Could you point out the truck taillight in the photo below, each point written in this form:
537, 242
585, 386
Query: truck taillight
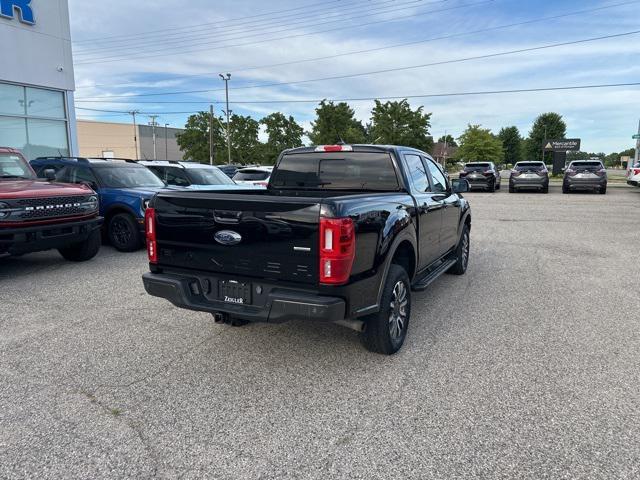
150, 228
337, 250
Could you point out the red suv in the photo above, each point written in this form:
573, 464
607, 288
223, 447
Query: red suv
37, 215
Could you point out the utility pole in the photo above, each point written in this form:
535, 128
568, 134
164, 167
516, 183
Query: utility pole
153, 124
133, 113
444, 153
637, 158
211, 148
166, 142
226, 79
545, 143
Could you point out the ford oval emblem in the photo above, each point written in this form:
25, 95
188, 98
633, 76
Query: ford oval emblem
228, 237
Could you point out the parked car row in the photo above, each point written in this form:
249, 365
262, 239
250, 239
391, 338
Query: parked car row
121, 188
583, 175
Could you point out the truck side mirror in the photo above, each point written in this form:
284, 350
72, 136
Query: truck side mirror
50, 174
460, 185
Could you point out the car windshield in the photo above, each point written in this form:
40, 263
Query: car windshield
337, 171
208, 176
529, 166
13, 166
251, 175
474, 167
128, 177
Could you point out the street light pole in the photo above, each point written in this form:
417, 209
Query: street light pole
226, 79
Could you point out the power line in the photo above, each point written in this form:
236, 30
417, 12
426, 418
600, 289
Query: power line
227, 30
299, 35
189, 27
386, 70
219, 39
396, 97
385, 47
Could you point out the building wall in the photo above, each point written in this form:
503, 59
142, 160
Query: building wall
95, 139
168, 150
36, 78
98, 139
38, 54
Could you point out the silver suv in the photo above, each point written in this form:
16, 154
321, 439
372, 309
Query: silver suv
585, 175
529, 175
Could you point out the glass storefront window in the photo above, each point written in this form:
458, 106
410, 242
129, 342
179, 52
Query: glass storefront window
13, 133
33, 120
45, 103
11, 100
47, 138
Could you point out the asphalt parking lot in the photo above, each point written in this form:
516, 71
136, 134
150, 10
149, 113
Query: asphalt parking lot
527, 367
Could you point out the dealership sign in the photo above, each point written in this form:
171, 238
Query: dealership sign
9, 8
564, 145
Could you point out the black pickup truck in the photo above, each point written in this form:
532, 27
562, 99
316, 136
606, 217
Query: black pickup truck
341, 234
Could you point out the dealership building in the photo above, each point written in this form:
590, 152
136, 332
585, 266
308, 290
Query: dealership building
36, 78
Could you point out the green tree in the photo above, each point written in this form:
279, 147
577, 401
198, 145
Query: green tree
335, 122
511, 144
282, 133
194, 141
451, 142
479, 145
395, 123
555, 128
245, 146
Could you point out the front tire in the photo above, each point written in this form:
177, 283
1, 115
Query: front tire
512, 189
492, 186
462, 253
83, 251
123, 233
603, 190
386, 330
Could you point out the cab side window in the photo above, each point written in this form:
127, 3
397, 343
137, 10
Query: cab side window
439, 180
417, 173
176, 176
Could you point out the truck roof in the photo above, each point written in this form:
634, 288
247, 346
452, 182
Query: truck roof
355, 147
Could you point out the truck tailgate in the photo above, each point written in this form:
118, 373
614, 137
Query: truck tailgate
239, 233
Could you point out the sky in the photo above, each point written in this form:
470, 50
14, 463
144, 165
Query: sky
141, 55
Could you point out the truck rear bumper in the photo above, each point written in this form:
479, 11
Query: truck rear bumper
18, 241
279, 305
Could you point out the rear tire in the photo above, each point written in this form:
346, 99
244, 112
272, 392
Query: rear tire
83, 251
462, 253
603, 190
123, 233
545, 189
386, 330
492, 186
565, 189
512, 189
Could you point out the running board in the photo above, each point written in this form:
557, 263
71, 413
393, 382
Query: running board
423, 282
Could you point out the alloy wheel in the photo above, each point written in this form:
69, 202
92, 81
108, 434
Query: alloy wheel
398, 315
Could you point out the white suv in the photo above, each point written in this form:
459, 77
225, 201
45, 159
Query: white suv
633, 177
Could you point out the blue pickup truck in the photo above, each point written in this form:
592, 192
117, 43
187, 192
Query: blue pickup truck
124, 188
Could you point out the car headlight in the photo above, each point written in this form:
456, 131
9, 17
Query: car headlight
93, 201
4, 210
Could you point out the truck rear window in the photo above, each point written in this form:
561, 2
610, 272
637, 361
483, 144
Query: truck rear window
477, 167
336, 171
251, 175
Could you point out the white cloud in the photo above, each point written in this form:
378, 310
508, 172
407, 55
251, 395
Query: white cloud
603, 118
